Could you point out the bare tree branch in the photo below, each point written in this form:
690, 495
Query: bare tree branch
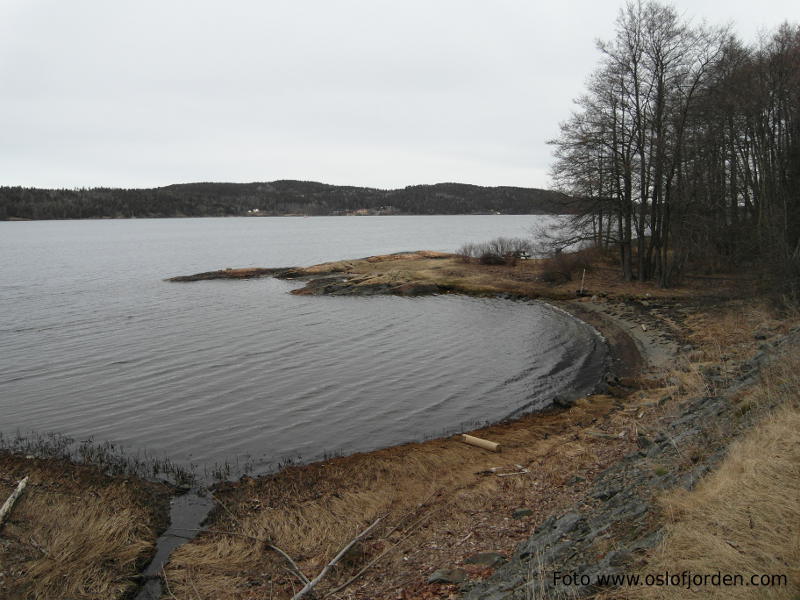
310, 585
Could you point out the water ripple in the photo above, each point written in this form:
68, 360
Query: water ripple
224, 369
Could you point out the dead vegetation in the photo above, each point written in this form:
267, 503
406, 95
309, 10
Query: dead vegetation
551, 278
743, 519
74, 532
440, 500
499, 251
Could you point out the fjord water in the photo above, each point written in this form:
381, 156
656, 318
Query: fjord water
94, 343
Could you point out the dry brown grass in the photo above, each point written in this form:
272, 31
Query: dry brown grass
440, 498
726, 332
527, 277
745, 517
74, 533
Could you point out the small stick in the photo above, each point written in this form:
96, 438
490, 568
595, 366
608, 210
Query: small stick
310, 585
9, 504
464, 539
523, 472
409, 514
194, 589
166, 582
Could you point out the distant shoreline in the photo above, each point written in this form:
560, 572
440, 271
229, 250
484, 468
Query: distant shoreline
277, 198
295, 216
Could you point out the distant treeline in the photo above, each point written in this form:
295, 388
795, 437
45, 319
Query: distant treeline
275, 198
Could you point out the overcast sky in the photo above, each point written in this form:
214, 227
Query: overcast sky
361, 92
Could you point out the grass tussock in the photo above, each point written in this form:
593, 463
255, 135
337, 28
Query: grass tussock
74, 533
744, 518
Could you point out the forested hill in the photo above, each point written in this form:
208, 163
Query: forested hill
275, 198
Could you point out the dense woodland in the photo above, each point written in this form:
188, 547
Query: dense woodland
275, 198
687, 147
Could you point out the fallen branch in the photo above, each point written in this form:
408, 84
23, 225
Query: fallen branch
295, 569
605, 436
310, 585
523, 472
370, 564
9, 504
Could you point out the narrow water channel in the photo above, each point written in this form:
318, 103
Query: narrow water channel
187, 513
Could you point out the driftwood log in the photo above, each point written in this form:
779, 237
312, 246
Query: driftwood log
480, 443
9, 504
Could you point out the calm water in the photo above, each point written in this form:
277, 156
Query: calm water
94, 343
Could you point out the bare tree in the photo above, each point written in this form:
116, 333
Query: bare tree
685, 146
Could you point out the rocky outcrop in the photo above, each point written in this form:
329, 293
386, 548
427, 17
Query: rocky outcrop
231, 274
607, 532
448, 576
348, 286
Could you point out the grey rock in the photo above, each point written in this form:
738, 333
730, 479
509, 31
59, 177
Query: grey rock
606, 493
619, 558
546, 542
690, 479
664, 482
658, 449
448, 576
521, 513
647, 542
563, 402
569, 522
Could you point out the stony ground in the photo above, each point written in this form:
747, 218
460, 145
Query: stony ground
617, 520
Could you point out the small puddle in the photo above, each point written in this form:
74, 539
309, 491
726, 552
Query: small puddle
186, 514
